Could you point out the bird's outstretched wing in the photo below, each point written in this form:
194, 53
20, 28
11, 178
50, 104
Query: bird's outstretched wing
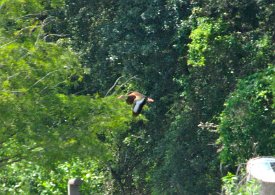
133, 96
138, 96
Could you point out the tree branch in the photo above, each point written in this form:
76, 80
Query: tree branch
49, 73
8, 43
113, 85
133, 77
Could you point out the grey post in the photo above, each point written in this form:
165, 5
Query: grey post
263, 170
74, 186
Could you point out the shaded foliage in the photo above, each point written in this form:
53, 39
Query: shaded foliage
247, 127
208, 65
187, 55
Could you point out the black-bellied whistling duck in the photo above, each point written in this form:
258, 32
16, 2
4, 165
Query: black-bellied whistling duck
138, 100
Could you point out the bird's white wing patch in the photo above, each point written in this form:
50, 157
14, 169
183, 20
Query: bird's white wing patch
137, 105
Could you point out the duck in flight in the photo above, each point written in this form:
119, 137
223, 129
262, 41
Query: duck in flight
138, 100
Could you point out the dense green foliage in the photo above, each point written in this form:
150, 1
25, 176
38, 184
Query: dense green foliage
44, 124
209, 65
247, 120
28, 177
233, 185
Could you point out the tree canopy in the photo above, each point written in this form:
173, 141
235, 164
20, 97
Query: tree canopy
209, 65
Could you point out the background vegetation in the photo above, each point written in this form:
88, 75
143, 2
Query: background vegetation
208, 64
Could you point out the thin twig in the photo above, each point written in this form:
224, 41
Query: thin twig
33, 15
54, 35
7, 43
52, 86
49, 73
133, 77
113, 85
13, 91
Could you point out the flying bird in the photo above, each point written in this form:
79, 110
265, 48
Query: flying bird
138, 100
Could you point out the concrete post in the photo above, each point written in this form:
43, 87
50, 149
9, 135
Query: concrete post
267, 188
263, 170
74, 186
